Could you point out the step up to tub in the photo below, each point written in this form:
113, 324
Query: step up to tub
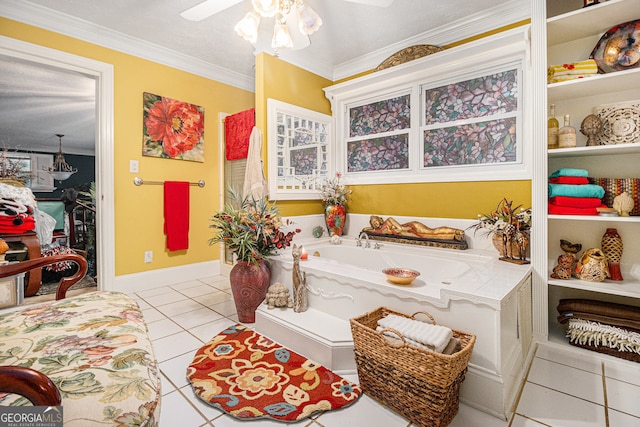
324, 338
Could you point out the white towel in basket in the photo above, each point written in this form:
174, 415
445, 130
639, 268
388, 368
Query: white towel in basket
434, 336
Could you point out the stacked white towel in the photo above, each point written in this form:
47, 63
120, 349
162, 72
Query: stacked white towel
435, 337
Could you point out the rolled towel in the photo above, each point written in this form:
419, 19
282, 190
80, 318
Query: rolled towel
558, 79
435, 336
453, 346
585, 190
570, 172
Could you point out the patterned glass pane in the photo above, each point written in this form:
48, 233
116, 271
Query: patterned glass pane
387, 153
382, 116
479, 97
304, 161
492, 141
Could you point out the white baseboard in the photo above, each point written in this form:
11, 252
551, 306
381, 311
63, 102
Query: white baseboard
166, 276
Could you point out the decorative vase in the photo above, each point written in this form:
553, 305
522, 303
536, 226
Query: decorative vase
513, 247
592, 266
612, 249
335, 216
249, 285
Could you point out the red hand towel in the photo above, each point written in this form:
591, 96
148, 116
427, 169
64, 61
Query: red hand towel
567, 210
576, 202
237, 131
573, 180
176, 215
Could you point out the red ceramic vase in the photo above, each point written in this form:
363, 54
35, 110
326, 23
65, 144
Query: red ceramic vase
335, 216
249, 285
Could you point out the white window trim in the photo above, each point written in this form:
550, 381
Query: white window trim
506, 50
273, 108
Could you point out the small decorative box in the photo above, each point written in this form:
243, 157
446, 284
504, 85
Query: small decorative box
620, 123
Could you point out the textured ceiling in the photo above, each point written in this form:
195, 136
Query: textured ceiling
37, 103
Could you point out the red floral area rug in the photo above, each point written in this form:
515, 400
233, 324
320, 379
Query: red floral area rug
249, 376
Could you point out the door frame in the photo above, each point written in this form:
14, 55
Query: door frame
104, 157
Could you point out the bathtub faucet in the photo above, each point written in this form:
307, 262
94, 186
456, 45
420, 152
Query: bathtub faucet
359, 240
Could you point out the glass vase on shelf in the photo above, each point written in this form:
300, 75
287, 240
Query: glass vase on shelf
552, 128
567, 134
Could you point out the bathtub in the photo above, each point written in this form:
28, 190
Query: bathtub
445, 274
468, 290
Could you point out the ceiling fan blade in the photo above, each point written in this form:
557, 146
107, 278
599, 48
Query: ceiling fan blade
207, 8
377, 3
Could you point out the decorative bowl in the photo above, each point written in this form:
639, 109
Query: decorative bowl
400, 276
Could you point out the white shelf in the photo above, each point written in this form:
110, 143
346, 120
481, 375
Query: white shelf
596, 218
591, 20
625, 288
599, 84
598, 150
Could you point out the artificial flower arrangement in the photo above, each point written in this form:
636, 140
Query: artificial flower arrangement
334, 192
504, 215
251, 231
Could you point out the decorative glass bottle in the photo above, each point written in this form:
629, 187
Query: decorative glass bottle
567, 134
612, 249
552, 128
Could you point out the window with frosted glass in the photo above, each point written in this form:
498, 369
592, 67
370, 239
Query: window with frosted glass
472, 122
379, 135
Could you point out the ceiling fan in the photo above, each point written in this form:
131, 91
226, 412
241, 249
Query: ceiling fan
211, 7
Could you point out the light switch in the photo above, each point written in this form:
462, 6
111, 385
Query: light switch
133, 166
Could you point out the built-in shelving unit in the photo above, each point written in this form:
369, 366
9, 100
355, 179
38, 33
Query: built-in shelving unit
571, 36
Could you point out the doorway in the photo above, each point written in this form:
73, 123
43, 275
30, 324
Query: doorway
104, 162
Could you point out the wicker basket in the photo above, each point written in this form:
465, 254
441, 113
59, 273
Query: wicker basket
421, 385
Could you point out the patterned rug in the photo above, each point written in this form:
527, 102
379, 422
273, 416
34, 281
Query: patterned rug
249, 376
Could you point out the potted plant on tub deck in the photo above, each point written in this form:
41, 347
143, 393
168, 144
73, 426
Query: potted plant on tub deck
252, 231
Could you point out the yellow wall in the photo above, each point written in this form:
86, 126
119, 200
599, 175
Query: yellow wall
280, 80
138, 210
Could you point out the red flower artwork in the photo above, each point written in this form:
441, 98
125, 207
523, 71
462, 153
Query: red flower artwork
173, 129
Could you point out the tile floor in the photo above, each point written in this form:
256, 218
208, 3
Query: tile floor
580, 390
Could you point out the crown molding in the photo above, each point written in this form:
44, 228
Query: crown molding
490, 19
48, 19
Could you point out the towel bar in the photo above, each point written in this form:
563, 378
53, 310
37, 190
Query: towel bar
140, 181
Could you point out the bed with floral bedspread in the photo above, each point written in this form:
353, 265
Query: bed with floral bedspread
96, 349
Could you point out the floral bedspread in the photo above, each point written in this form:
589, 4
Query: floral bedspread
95, 348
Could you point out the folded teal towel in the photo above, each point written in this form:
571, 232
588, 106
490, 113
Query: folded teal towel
585, 190
570, 172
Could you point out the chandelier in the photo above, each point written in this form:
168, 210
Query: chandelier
286, 12
61, 169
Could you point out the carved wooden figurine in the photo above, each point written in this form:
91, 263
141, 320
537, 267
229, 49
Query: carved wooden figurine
300, 302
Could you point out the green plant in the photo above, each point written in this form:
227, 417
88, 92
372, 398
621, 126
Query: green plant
334, 192
503, 216
252, 231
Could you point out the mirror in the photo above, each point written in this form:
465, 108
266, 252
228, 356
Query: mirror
299, 141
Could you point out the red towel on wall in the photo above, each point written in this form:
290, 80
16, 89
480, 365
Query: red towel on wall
576, 202
237, 131
572, 180
176, 215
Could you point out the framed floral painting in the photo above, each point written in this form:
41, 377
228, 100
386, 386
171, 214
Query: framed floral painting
172, 129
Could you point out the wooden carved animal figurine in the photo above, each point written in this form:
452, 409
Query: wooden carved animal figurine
300, 302
278, 296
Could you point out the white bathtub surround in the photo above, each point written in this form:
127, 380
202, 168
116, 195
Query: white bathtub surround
468, 290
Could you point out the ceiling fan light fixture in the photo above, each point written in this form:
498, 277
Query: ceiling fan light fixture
308, 20
61, 170
281, 36
266, 8
247, 27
